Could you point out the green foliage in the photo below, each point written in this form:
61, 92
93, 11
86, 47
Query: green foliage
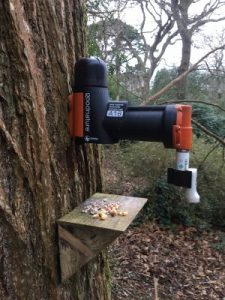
113, 91
166, 203
197, 84
220, 245
92, 44
211, 182
211, 118
162, 78
115, 42
108, 38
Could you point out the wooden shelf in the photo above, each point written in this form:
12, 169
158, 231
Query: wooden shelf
81, 237
119, 223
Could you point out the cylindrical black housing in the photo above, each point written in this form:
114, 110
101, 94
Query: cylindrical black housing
91, 80
106, 121
144, 123
90, 72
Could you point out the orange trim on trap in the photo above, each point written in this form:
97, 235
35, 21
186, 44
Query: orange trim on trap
76, 114
182, 131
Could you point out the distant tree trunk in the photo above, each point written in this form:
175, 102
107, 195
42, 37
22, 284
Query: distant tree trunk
43, 174
184, 65
187, 25
180, 14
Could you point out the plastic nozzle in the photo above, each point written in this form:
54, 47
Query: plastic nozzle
182, 164
191, 194
182, 160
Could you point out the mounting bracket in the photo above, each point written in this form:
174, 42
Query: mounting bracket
82, 237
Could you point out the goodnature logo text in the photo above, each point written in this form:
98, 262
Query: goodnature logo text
87, 110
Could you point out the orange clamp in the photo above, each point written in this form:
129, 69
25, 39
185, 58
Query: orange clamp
76, 114
182, 131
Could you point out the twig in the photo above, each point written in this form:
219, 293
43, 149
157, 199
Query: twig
156, 288
207, 155
126, 90
203, 128
208, 132
194, 101
182, 76
155, 280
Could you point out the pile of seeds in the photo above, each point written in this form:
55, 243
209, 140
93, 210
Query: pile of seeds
100, 209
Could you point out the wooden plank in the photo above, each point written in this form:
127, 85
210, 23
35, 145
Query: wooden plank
70, 260
94, 238
119, 223
72, 257
74, 242
81, 237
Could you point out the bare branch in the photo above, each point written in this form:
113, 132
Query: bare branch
208, 132
194, 101
203, 22
166, 44
182, 76
207, 155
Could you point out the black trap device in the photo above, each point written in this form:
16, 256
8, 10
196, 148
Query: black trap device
94, 118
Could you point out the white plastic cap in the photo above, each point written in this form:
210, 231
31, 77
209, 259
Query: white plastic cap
191, 194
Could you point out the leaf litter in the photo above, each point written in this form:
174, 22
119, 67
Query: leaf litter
152, 263
149, 262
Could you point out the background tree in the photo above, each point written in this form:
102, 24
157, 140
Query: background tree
43, 174
141, 54
188, 23
215, 68
161, 22
108, 40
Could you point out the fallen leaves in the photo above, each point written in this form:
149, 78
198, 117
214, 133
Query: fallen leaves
182, 265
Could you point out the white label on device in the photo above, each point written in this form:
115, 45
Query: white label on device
115, 113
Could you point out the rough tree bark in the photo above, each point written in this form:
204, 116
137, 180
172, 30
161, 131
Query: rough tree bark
43, 174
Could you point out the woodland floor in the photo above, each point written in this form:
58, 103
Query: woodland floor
149, 262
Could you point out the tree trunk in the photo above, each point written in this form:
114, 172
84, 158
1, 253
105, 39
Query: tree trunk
180, 15
184, 65
43, 173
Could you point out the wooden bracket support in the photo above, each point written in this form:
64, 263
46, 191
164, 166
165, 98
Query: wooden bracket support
81, 237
